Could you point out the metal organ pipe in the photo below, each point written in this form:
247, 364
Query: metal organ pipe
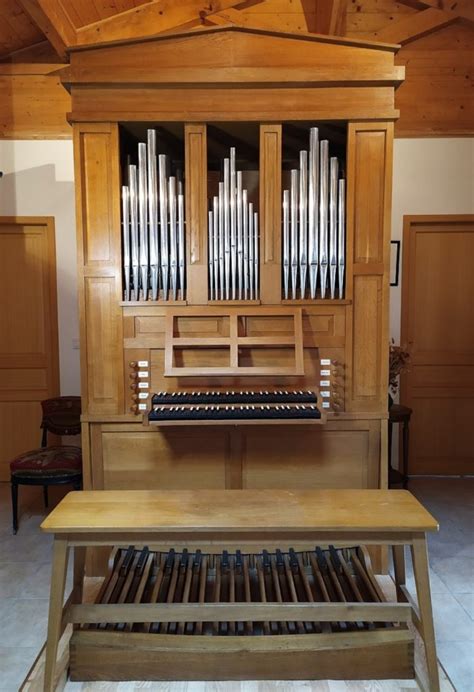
323, 215
233, 235
313, 225
153, 228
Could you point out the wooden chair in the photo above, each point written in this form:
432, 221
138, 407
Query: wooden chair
56, 465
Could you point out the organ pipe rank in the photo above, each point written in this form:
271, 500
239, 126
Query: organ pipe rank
314, 225
233, 247
153, 228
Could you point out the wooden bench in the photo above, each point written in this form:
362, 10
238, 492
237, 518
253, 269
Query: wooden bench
249, 520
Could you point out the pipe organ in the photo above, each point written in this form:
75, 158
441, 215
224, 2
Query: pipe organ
233, 205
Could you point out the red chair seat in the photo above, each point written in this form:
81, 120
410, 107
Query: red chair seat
48, 461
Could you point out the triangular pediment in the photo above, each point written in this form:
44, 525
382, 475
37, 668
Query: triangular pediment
234, 54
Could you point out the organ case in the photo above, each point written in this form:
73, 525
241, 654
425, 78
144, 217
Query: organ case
234, 80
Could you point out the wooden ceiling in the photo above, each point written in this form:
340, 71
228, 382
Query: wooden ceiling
64, 23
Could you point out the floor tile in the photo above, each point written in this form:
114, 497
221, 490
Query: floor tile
24, 622
24, 579
452, 623
27, 546
467, 602
457, 573
14, 666
457, 659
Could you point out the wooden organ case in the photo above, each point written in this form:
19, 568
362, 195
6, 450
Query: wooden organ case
264, 91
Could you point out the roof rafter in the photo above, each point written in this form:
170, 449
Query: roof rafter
53, 20
330, 15
461, 9
153, 18
415, 26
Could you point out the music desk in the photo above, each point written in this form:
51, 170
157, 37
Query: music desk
247, 520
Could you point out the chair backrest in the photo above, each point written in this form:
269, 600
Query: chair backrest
61, 416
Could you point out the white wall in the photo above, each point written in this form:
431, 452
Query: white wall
430, 176
38, 180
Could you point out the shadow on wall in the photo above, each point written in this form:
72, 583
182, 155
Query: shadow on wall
36, 191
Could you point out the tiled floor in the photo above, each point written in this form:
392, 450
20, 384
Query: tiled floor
25, 571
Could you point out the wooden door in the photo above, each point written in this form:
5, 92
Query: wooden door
438, 326
29, 367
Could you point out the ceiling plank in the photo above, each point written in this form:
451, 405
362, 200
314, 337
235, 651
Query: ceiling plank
330, 15
150, 19
51, 17
415, 26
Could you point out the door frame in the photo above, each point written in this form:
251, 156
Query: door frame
47, 222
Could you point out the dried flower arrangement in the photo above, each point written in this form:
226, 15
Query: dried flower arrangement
398, 363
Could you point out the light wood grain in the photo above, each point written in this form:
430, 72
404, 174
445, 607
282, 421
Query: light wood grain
29, 350
439, 386
140, 510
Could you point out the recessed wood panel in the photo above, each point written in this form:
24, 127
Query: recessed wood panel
23, 379
369, 193
442, 376
367, 320
102, 344
442, 433
96, 198
155, 460
447, 326
22, 259
333, 459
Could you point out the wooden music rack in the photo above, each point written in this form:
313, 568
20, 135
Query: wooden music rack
234, 341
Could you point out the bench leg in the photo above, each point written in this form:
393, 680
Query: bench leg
56, 599
79, 567
422, 580
398, 552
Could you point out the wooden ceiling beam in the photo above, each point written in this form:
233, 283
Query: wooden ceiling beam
53, 20
462, 9
330, 16
153, 18
415, 26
